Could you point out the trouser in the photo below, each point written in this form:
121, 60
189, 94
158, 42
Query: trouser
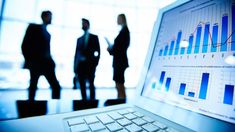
51, 78
86, 73
82, 82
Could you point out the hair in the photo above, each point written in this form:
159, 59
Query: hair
45, 13
86, 21
123, 18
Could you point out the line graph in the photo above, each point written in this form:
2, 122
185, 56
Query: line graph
216, 37
214, 44
192, 65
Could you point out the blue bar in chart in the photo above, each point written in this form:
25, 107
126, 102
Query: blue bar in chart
182, 50
182, 88
214, 38
204, 86
224, 33
191, 94
233, 28
160, 52
228, 94
206, 37
190, 44
171, 47
166, 50
198, 39
167, 85
161, 79
178, 43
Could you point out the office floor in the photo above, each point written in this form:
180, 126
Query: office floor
8, 98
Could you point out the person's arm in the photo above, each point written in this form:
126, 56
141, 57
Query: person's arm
97, 50
76, 58
98, 47
110, 50
26, 43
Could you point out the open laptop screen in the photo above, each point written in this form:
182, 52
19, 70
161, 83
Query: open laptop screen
193, 61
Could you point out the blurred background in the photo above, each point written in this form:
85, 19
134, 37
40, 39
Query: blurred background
66, 28
15, 15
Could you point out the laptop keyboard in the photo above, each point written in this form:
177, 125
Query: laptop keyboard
126, 120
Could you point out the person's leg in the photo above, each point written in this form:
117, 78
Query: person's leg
121, 90
34, 76
75, 82
91, 79
82, 82
119, 81
82, 79
52, 80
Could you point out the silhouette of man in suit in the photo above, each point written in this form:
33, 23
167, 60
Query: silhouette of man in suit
37, 55
86, 59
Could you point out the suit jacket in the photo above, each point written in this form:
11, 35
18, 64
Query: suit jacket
119, 49
89, 53
36, 48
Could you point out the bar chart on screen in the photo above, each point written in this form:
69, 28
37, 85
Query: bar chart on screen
203, 36
205, 33
227, 87
195, 86
193, 65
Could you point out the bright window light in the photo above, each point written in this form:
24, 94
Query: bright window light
184, 44
66, 28
230, 59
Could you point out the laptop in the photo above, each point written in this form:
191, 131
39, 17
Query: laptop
187, 83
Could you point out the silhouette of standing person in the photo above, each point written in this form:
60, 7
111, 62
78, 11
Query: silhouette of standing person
37, 55
119, 53
87, 57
